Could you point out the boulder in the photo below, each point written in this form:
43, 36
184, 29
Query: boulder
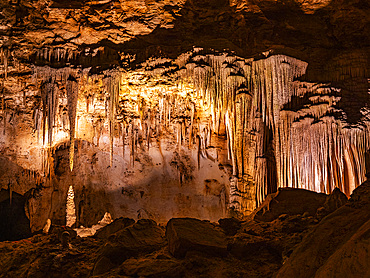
14, 224
59, 230
350, 260
339, 245
360, 197
153, 267
335, 200
188, 234
117, 225
290, 201
247, 247
230, 225
140, 238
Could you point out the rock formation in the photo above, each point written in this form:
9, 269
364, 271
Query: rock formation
162, 109
297, 245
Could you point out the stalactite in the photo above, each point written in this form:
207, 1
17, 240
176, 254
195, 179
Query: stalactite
132, 143
5, 57
257, 104
250, 99
72, 95
123, 127
113, 89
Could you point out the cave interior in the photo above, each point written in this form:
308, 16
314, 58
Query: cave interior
184, 138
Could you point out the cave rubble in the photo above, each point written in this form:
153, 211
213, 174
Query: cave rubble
258, 249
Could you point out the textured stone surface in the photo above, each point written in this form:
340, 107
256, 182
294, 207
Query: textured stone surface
335, 246
117, 225
335, 200
247, 247
230, 225
142, 237
338, 245
188, 234
351, 259
291, 202
299, 120
14, 224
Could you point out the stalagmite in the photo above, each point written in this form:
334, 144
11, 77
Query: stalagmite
70, 207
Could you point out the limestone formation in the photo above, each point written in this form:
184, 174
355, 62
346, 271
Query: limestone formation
253, 113
187, 234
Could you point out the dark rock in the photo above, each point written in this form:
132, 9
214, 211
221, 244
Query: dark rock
188, 234
360, 197
335, 200
153, 267
59, 230
65, 240
117, 225
294, 224
339, 245
247, 247
282, 217
352, 259
14, 224
140, 238
321, 213
290, 201
230, 225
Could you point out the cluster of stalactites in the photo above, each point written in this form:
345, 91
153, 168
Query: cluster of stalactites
249, 98
56, 54
317, 150
246, 97
59, 93
323, 156
148, 114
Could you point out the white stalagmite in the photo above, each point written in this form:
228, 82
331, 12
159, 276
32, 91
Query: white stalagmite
70, 207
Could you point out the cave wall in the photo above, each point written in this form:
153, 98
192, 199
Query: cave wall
180, 108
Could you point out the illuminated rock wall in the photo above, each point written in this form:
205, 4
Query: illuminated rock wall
272, 118
206, 132
88, 99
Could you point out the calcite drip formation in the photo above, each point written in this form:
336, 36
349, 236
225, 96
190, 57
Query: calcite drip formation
278, 131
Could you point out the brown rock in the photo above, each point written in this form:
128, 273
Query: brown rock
230, 225
188, 234
117, 225
352, 259
153, 267
142, 237
338, 246
249, 246
290, 201
59, 230
335, 200
360, 197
